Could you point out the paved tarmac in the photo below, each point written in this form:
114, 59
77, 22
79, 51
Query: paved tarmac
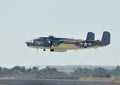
51, 82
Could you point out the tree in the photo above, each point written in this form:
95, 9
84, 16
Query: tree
83, 72
116, 71
18, 69
101, 72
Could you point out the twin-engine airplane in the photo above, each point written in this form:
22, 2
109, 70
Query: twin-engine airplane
63, 44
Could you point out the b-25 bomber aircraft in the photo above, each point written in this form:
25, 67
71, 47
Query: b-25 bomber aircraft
63, 44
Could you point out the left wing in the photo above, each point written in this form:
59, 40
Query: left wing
71, 41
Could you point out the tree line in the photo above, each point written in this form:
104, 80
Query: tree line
48, 72
98, 72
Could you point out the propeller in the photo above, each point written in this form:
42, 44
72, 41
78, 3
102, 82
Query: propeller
50, 41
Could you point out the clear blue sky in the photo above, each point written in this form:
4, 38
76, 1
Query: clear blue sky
23, 20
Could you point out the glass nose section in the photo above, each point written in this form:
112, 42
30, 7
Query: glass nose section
28, 43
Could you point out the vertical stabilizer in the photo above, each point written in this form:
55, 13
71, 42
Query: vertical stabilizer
105, 38
90, 36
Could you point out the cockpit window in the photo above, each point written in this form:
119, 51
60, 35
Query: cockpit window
51, 36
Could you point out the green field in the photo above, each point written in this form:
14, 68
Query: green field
111, 80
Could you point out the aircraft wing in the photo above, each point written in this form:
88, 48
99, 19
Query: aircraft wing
71, 41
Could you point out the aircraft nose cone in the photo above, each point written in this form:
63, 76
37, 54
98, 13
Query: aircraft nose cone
27, 43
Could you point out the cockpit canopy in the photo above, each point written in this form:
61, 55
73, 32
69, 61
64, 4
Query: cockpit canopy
51, 36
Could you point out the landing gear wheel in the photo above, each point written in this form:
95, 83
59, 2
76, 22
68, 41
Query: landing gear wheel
52, 49
44, 49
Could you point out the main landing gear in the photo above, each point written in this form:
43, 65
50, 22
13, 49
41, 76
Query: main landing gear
52, 49
44, 49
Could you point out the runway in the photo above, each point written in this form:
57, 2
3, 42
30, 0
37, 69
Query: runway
51, 82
